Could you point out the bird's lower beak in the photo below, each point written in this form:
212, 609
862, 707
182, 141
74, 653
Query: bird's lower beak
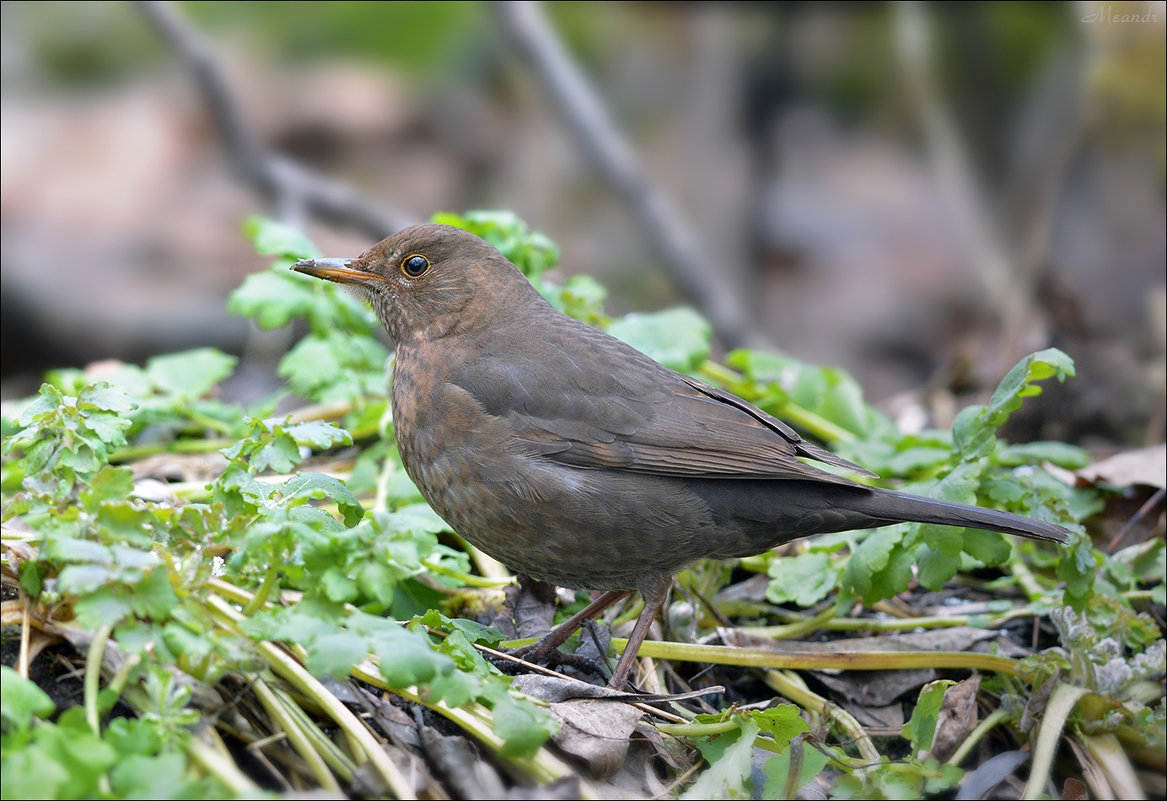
337, 270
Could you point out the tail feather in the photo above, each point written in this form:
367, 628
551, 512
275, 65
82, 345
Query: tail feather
900, 506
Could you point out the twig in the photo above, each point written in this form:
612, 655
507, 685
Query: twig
589, 124
292, 189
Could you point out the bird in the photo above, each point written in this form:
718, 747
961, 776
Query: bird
576, 459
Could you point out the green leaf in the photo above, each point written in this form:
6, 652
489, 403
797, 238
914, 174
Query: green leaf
192, 373
921, 729
989, 547
21, 700
335, 653
404, 657
677, 338
1019, 383
582, 297
153, 598
878, 568
273, 299
803, 758
530, 251
523, 726
106, 604
48, 400
274, 238
939, 559
110, 484
731, 760
782, 722
103, 396
1063, 454
319, 434
804, 579
84, 579
318, 485
973, 435
159, 777
974, 430
280, 453
32, 772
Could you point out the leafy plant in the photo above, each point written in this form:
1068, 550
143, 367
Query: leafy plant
310, 556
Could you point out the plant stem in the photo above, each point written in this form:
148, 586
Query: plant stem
790, 685
974, 737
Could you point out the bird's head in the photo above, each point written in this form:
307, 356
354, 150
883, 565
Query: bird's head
429, 280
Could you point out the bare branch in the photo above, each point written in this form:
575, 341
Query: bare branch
587, 122
290, 188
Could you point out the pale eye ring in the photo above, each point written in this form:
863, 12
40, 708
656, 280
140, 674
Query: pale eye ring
415, 265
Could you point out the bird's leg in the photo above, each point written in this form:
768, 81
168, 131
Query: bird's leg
654, 594
558, 635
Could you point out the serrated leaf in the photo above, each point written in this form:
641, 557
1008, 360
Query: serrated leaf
804, 579
153, 598
47, 401
530, 251
988, 547
473, 631
280, 454
677, 338
192, 373
107, 604
782, 722
334, 654
109, 433
404, 657
319, 434
103, 396
318, 485
582, 297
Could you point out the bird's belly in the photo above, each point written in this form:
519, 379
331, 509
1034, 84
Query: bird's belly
575, 527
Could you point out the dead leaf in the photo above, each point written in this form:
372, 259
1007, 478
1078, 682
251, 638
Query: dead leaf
1145, 466
958, 717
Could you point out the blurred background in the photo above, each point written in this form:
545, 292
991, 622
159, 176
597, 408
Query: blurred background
920, 194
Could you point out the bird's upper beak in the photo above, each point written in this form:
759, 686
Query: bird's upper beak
337, 270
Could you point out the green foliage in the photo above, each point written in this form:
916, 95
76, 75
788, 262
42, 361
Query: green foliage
677, 338
362, 551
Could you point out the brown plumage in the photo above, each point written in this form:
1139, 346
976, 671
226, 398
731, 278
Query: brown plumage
574, 458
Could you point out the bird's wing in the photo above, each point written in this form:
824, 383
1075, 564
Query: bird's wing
642, 417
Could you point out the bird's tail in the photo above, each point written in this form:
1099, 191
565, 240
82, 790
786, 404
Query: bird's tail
900, 506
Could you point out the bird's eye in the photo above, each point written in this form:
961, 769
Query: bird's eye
415, 265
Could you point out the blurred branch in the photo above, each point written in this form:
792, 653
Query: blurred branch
588, 123
291, 189
1011, 255
973, 222
1050, 127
